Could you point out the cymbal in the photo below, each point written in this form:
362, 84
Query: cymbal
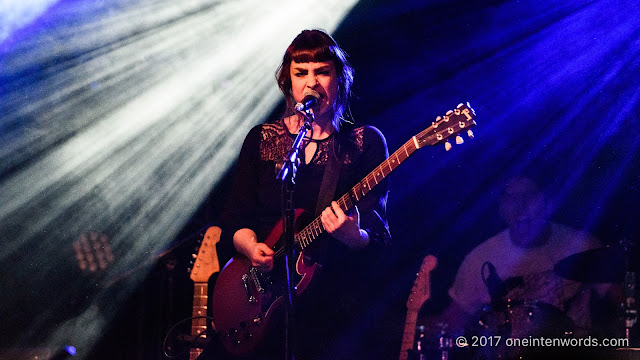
601, 265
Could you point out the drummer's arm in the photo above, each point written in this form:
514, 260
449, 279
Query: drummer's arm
611, 293
605, 308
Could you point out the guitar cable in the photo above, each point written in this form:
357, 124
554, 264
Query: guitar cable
192, 342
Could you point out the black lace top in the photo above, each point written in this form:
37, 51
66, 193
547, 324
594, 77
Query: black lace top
348, 280
255, 202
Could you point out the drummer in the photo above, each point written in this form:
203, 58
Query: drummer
517, 263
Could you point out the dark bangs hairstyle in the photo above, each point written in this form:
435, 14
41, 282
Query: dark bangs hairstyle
316, 46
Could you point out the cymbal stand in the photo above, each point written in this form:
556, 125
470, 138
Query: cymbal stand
445, 343
629, 304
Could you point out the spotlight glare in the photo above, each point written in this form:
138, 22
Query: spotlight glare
17, 14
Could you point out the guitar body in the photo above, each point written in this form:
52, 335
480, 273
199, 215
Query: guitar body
246, 300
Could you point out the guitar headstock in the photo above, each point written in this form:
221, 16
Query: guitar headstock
454, 122
421, 290
206, 263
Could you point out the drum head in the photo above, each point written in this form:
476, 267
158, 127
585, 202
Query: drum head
523, 319
518, 320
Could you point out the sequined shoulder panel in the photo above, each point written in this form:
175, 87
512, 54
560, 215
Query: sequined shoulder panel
354, 145
276, 141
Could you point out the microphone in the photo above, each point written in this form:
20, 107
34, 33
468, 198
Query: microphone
495, 285
311, 99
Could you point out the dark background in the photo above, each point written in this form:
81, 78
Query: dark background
554, 94
554, 86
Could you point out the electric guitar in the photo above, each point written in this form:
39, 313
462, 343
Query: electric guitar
205, 265
420, 293
244, 298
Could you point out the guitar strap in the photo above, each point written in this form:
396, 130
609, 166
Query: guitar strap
331, 175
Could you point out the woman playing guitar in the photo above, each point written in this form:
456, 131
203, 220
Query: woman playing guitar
334, 156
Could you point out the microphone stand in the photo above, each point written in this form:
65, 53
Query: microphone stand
287, 175
497, 291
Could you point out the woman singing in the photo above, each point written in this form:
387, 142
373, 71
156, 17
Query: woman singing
331, 313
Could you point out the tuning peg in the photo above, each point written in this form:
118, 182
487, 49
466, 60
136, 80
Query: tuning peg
459, 140
470, 134
447, 146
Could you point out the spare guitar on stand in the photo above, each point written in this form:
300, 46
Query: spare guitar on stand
420, 293
205, 265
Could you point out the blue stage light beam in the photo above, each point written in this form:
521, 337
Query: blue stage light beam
16, 14
119, 118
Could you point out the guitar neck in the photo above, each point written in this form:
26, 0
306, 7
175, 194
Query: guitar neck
409, 333
454, 122
306, 236
199, 322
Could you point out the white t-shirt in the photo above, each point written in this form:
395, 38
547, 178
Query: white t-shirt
534, 265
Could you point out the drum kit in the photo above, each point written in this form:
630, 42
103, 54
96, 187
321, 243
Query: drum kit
614, 265
505, 318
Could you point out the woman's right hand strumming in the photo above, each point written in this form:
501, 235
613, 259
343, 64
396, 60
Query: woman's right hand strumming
259, 253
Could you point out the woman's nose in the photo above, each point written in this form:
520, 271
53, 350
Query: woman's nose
312, 81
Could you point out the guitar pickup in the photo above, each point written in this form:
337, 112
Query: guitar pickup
256, 281
245, 281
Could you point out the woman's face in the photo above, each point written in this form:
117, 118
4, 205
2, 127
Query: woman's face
317, 76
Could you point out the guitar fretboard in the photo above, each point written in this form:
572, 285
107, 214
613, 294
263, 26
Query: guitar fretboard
306, 236
199, 322
409, 333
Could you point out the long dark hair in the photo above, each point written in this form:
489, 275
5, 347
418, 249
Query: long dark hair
316, 46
